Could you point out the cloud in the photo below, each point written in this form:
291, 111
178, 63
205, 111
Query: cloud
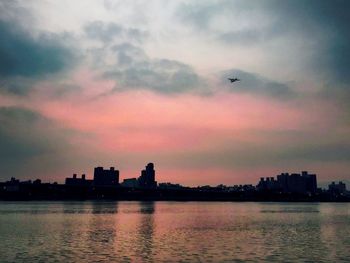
200, 13
104, 32
321, 152
15, 143
27, 137
16, 85
107, 32
318, 28
279, 149
241, 37
135, 70
256, 85
326, 22
26, 56
14, 11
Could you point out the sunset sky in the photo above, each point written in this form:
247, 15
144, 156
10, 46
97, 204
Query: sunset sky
123, 83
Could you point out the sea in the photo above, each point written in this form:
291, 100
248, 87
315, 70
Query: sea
130, 231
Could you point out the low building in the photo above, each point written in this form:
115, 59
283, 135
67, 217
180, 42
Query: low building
339, 188
130, 182
170, 186
12, 185
303, 183
268, 184
78, 181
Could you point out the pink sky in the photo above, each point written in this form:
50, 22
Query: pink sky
190, 138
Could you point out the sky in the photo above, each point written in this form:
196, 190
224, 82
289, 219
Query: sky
122, 83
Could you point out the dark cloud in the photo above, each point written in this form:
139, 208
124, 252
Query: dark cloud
26, 56
327, 23
135, 70
256, 85
25, 59
17, 139
106, 32
284, 148
321, 152
25, 138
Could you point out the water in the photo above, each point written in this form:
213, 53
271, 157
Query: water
173, 232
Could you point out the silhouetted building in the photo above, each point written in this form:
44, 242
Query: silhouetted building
147, 178
235, 188
311, 181
339, 188
283, 182
170, 186
268, 184
290, 183
287, 187
106, 177
78, 181
37, 182
12, 185
130, 182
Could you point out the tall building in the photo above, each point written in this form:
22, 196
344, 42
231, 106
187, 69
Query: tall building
105, 177
147, 178
282, 180
311, 181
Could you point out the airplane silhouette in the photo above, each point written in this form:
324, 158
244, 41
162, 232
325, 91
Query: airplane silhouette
233, 80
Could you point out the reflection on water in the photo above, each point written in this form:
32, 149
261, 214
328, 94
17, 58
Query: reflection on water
173, 231
145, 231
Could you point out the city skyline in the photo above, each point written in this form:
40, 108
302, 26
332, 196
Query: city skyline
303, 181
90, 176
106, 185
102, 83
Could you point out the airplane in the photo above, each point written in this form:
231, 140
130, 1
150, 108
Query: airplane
233, 80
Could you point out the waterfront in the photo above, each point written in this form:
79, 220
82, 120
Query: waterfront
174, 231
